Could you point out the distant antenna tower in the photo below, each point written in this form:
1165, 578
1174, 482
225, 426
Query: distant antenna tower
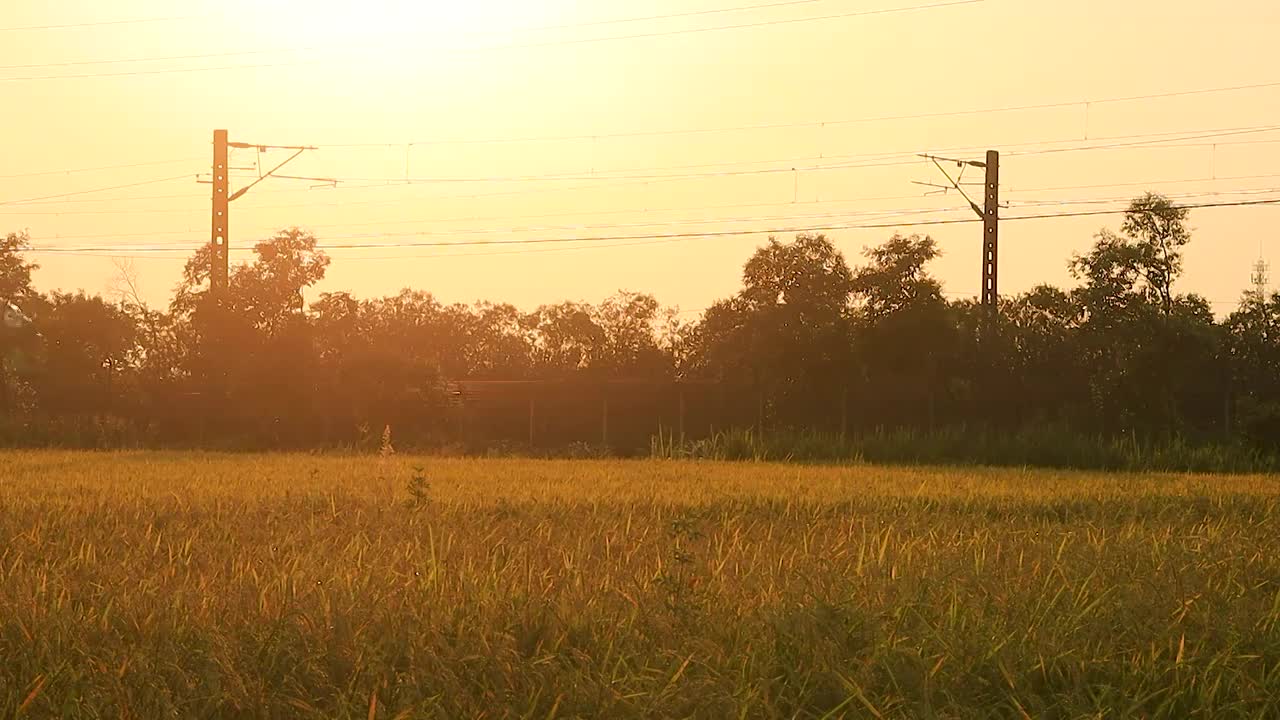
1260, 277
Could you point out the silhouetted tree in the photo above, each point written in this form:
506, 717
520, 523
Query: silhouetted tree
15, 270
787, 333
806, 342
16, 341
567, 338
249, 365
1253, 350
89, 348
1142, 343
905, 335
630, 345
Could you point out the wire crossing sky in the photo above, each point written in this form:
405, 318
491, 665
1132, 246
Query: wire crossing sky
448, 125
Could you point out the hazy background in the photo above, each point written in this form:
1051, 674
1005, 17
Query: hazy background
385, 74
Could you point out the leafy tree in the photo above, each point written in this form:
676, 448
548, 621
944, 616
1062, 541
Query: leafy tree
89, 347
1160, 230
787, 332
630, 346
1040, 374
250, 363
1253, 351
16, 343
379, 362
896, 279
903, 328
499, 344
568, 339
1140, 265
15, 270
808, 276
806, 340
1142, 343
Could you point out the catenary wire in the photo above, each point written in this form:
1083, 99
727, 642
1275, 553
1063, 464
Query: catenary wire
510, 46
771, 231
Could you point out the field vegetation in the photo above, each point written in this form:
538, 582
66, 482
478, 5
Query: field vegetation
177, 585
1047, 447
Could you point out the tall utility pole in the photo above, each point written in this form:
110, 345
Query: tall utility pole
989, 213
991, 235
220, 240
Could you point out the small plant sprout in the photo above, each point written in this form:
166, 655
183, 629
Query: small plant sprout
386, 449
419, 490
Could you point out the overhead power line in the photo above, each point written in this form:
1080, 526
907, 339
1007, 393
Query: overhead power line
1174, 140
637, 183
604, 179
693, 235
739, 26
536, 28
540, 28
850, 214
184, 235
187, 231
605, 176
1156, 143
1140, 183
1128, 198
813, 124
887, 161
509, 46
97, 190
673, 16
99, 168
169, 71
1159, 140
159, 58
98, 23
834, 201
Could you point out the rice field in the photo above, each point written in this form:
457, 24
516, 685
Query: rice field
180, 585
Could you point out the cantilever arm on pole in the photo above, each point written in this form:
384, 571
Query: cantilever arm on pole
266, 175
955, 184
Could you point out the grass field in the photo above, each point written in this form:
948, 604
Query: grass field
168, 585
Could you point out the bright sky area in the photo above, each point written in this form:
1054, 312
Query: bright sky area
599, 94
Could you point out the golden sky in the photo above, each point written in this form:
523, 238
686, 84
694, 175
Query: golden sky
389, 89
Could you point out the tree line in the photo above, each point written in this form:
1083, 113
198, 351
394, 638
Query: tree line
820, 343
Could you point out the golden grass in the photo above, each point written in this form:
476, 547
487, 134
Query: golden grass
152, 585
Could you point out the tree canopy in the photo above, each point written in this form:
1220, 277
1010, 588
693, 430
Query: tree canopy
809, 341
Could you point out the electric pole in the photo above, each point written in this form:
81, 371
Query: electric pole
220, 240
989, 213
991, 235
220, 251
